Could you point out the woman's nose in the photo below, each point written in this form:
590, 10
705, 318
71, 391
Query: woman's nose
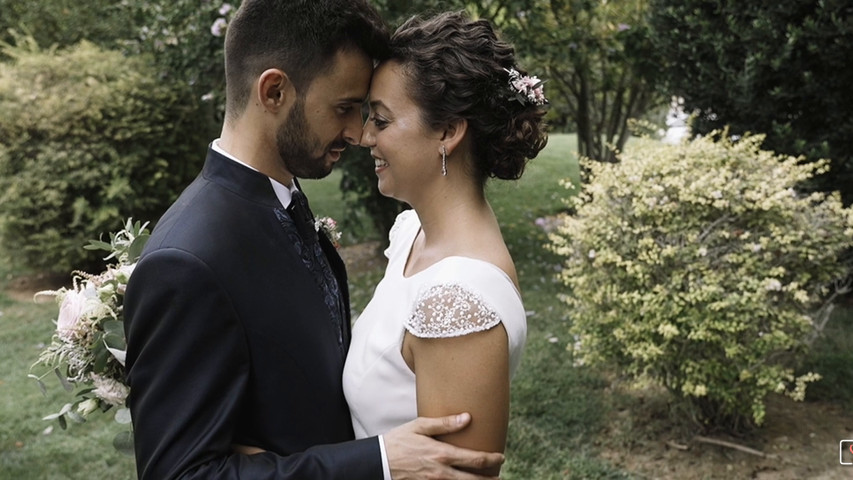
367, 139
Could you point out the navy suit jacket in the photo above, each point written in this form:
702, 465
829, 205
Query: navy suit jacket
230, 342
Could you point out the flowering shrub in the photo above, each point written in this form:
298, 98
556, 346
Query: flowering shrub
87, 351
701, 267
186, 38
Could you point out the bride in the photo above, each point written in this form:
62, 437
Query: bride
446, 327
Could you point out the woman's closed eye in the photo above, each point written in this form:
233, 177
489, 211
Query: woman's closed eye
380, 122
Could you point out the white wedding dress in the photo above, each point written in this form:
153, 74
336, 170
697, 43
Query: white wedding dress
455, 296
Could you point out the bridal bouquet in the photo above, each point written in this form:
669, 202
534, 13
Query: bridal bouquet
87, 350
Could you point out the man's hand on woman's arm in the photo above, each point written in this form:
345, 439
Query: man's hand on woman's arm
414, 454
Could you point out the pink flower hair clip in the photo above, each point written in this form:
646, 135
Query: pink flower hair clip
528, 90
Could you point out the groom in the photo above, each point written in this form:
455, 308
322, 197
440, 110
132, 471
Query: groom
237, 315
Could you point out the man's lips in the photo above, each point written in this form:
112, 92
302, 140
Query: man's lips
336, 151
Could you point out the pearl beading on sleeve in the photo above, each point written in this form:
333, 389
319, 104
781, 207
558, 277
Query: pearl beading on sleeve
450, 310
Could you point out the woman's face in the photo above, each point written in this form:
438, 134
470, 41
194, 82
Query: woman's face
407, 154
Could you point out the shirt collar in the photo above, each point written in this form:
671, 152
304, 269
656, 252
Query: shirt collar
282, 192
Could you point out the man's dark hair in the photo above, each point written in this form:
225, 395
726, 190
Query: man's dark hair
300, 37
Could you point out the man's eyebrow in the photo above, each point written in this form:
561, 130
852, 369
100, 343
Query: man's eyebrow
352, 100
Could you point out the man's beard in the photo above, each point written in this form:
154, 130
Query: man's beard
297, 146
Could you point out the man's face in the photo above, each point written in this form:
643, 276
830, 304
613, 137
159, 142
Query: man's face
326, 117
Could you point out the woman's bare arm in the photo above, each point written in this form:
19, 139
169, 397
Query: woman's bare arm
469, 373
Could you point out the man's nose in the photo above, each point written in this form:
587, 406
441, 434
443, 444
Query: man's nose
353, 130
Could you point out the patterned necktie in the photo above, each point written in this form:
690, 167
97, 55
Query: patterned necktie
302, 217
317, 262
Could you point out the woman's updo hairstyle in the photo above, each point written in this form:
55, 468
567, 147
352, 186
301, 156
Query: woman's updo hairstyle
457, 68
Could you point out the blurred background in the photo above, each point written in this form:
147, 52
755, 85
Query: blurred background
107, 107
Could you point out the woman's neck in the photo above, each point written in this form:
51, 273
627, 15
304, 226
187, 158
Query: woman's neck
443, 214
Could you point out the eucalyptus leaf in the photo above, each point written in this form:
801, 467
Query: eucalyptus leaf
98, 245
114, 334
135, 249
64, 381
113, 327
41, 384
66, 408
75, 416
123, 442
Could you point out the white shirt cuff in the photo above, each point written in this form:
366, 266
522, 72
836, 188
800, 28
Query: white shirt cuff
386, 469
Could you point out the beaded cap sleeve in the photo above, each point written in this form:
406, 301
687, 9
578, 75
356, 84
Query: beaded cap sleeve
450, 310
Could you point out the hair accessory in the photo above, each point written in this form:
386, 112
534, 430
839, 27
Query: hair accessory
443, 161
528, 90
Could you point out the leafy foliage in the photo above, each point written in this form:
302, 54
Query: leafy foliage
600, 64
186, 39
66, 22
701, 267
87, 138
778, 68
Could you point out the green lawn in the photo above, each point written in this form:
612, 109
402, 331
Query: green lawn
557, 412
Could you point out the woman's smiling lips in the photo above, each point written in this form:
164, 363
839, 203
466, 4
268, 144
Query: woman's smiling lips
379, 164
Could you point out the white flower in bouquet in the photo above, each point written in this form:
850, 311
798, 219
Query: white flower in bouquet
71, 310
111, 391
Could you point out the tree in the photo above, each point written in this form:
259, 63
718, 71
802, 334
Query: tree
599, 63
778, 68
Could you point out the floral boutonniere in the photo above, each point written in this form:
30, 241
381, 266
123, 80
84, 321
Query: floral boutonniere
329, 226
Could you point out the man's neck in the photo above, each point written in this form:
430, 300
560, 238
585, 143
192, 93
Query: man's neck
244, 143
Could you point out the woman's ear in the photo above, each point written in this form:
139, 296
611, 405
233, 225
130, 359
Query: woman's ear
274, 90
453, 134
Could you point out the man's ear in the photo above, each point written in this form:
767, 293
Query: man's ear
274, 90
453, 134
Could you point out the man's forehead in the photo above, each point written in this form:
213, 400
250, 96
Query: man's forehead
349, 76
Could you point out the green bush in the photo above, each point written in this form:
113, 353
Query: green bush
66, 22
88, 138
699, 266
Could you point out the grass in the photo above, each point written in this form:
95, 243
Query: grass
558, 412
31, 448
832, 356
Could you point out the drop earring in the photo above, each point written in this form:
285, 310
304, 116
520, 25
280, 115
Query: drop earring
443, 161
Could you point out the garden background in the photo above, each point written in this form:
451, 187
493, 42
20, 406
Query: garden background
106, 108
